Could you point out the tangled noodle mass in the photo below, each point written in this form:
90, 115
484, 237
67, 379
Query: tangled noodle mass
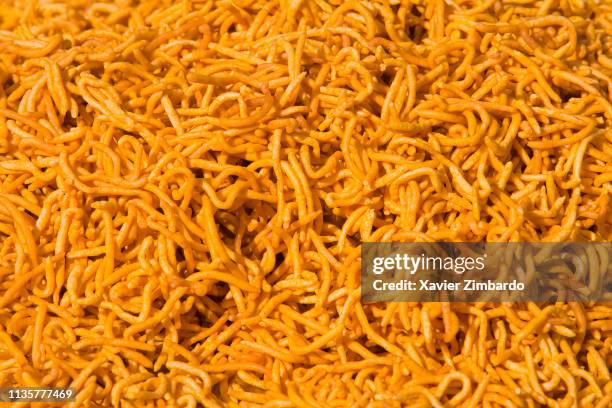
184, 187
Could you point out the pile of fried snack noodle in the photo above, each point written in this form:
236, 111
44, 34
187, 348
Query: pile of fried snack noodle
184, 187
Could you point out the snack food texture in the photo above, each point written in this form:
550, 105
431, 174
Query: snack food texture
185, 185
